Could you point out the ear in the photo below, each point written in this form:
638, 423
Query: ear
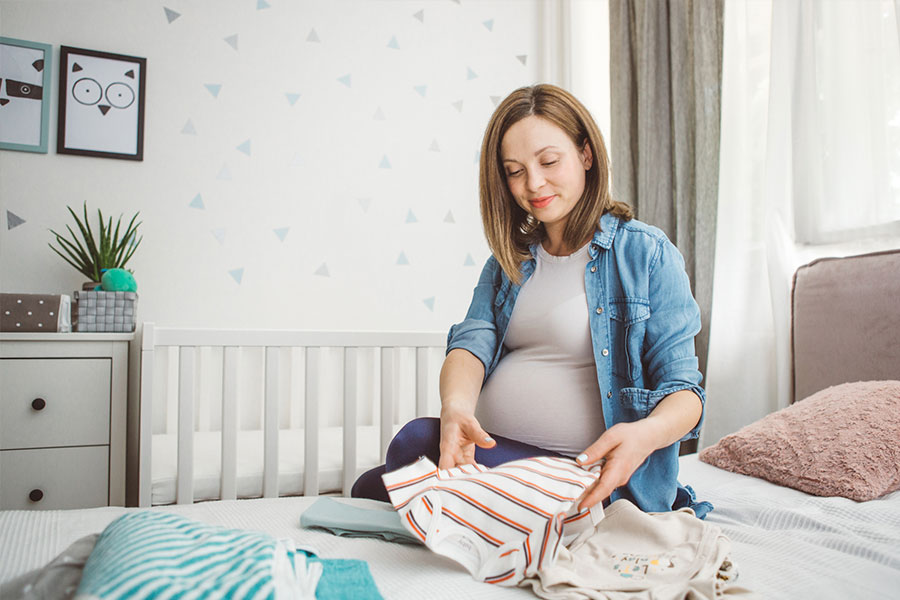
587, 156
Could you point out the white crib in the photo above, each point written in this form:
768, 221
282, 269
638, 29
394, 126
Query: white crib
212, 400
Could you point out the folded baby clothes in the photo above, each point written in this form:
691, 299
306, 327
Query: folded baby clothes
637, 555
345, 579
345, 520
147, 554
501, 524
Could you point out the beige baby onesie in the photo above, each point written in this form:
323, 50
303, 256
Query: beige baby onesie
632, 554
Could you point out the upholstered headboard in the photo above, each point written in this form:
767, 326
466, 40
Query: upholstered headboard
845, 323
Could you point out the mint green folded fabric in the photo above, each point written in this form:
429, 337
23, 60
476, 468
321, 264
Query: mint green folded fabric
352, 521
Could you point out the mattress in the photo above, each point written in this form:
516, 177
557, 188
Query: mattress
786, 544
208, 462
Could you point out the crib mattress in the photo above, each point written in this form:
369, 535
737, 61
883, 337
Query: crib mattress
208, 462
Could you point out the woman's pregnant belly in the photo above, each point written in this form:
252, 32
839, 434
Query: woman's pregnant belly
543, 402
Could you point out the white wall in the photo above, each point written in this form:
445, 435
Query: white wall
317, 167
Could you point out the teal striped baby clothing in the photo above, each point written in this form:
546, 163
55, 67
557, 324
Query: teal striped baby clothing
160, 555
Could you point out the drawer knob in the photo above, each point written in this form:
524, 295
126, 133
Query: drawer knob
38, 404
36, 495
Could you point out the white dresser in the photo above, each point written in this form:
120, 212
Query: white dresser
63, 408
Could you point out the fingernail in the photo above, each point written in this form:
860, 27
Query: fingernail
488, 439
581, 458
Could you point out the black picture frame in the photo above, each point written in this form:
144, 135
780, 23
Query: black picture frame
101, 104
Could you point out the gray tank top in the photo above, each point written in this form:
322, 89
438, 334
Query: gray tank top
544, 391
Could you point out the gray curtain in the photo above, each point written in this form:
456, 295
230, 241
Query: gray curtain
666, 81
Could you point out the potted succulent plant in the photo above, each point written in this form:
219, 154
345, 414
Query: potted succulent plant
92, 255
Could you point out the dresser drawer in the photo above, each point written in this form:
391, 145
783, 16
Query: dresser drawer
61, 477
76, 402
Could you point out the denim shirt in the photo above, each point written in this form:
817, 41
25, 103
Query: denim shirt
643, 320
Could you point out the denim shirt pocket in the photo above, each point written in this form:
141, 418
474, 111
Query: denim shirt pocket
637, 403
628, 325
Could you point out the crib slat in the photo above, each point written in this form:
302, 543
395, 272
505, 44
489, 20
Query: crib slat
351, 404
146, 416
270, 426
203, 404
171, 396
311, 423
422, 382
295, 397
388, 391
231, 379
184, 492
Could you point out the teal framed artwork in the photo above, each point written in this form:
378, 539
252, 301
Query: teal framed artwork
24, 95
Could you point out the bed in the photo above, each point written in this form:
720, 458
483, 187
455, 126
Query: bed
786, 543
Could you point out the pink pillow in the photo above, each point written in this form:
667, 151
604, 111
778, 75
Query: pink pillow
841, 441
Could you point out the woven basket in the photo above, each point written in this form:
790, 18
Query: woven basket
106, 311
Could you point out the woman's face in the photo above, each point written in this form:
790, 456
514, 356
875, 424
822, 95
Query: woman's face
545, 170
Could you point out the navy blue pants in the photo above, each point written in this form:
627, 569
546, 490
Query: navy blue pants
422, 437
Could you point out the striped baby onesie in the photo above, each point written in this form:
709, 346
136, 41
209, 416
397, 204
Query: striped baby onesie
148, 554
501, 524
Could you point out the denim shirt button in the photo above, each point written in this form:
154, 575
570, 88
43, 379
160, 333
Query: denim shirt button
604, 352
609, 394
593, 269
599, 310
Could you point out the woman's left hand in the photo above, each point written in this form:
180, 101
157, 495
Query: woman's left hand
624, 446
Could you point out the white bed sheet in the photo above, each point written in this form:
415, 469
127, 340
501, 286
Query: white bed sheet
787, 544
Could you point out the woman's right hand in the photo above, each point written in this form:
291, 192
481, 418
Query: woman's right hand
460, 433
461, 379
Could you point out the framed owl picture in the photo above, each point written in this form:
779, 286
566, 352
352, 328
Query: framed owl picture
101, 104
24, 95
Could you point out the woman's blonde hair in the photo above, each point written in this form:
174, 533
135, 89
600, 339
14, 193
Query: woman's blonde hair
510, 230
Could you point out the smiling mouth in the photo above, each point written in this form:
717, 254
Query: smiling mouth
541, 202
